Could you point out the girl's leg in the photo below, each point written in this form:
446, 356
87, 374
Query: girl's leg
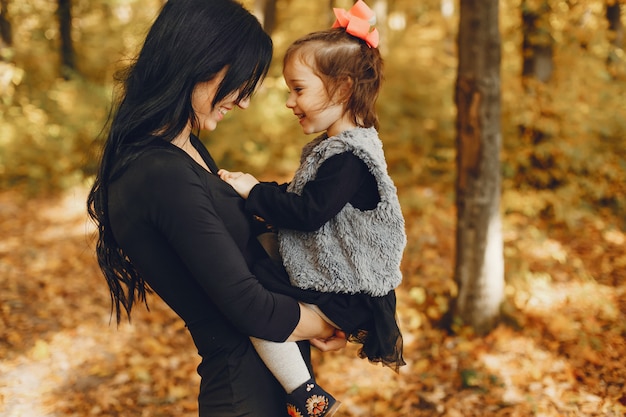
285, 361
321, 314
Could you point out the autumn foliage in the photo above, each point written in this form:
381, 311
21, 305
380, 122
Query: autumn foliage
560, 349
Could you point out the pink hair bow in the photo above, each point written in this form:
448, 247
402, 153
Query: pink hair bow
358, 21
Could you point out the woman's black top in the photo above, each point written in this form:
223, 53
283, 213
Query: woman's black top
187, 233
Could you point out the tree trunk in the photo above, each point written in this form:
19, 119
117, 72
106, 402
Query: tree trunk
6, 33
616, 28
265, 11
537, 43
380, 7
616, 34
479, 268
68, 56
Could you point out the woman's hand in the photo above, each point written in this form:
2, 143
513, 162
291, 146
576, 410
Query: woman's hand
320, 333
241, 182
336, 342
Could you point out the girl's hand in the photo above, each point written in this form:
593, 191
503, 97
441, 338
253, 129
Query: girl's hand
226, 175
241, 182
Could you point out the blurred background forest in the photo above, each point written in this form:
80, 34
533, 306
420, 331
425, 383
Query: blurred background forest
561, 349
51, 112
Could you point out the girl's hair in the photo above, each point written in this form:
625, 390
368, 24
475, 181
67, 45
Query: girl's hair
190, 42
336, 56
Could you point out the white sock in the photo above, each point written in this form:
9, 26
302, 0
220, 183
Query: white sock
285, 362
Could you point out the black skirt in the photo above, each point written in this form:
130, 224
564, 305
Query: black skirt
367, 320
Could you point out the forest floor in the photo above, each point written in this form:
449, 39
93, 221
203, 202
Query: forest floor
560, 351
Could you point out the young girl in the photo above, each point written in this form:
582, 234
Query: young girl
340, 227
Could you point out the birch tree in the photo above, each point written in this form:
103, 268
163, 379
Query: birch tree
479, 264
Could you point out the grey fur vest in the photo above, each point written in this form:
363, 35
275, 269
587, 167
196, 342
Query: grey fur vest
356, 251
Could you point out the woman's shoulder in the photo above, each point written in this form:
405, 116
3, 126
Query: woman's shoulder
160, 155
160, 162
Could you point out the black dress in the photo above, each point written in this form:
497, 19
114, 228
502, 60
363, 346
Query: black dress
341, 179
186, 231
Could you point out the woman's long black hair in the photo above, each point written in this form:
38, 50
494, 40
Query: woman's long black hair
189, 43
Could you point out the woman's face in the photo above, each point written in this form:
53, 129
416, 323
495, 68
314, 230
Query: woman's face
202, 97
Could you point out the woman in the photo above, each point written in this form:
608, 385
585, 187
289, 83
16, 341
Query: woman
168, 224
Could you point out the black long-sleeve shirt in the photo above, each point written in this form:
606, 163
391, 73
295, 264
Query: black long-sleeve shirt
341, 179
187, 233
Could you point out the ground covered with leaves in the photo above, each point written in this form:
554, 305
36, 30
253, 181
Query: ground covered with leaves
560, 350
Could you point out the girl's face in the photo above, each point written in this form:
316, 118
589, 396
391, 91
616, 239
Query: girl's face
202, 97
309, 101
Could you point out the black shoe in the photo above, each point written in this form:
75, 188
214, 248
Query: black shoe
310, 400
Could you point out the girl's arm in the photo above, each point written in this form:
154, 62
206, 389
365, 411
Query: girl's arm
340, 179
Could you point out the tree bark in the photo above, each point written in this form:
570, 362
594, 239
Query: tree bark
616, 34
68, 56
265, 11
479, 267
6, 33
616, 28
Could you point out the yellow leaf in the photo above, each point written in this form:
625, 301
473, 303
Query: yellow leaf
41, 350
